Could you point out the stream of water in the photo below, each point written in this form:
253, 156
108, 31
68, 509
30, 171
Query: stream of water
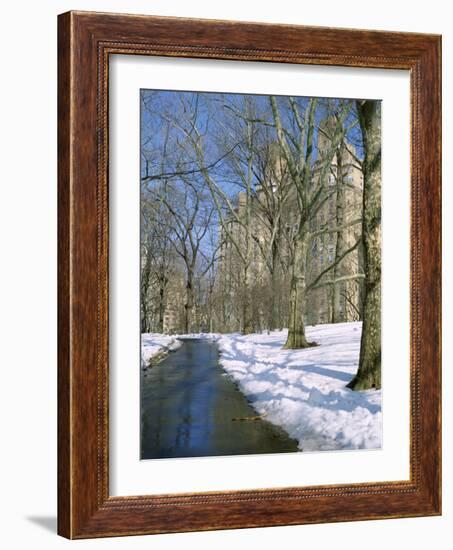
189, 407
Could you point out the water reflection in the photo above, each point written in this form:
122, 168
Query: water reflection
188, 405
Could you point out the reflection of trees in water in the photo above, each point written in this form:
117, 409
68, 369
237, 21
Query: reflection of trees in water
188, 405
183, 430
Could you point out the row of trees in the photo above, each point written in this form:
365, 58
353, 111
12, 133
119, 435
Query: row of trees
232, 186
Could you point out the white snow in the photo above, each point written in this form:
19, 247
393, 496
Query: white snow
304, 391
153, 344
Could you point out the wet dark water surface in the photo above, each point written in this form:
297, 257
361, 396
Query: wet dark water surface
188, 406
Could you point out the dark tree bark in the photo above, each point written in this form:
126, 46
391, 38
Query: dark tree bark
301, 179
161, 306
274, 276
340, 245
247, 322
189, 303
369, 371
296, 326
144, 288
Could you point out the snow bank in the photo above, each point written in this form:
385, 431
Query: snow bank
303, 391
156, 344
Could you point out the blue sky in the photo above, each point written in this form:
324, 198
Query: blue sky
165, 113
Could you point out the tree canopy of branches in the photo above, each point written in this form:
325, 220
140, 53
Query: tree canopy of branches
253, 204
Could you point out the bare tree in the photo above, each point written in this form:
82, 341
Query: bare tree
242, 180
157, 265
298, 153
234, 220
369, 371
339, 232
176, 187
190, 219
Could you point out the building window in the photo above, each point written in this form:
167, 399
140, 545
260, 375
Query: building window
330, 252
314, 247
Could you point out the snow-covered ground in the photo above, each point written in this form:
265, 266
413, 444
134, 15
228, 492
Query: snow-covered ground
303, 391
157, 344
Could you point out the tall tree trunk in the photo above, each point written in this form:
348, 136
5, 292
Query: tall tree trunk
273, 313
274, 276
162, 285
369, 371
247, 325
331, 315
340, 241
302, 179
144, 288
144, 323
210, 308
188, 306
296, 326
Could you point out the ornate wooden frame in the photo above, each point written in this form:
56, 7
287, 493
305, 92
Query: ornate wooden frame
85, 41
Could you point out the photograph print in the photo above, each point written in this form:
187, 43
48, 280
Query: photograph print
260, 274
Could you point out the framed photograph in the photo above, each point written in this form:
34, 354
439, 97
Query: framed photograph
249, 275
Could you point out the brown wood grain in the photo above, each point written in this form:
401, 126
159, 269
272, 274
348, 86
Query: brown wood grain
85, 42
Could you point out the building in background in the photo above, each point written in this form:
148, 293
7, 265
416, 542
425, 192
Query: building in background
268, 214
335, 229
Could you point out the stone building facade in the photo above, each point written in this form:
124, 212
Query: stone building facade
338, 296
